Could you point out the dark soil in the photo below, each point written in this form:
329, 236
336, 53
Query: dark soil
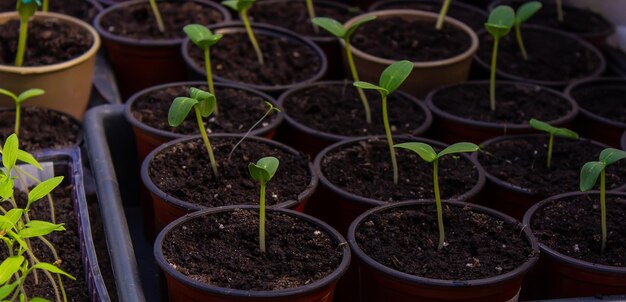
551, 57
223, 250
522, 163
238, 111
285, 61
479, 246
608, 101
365, 169
81, 9
49, 42
41, 128
184, 172
137, 21
337, 109
515, 104
572, 227
294, 16
472, 18
417, 41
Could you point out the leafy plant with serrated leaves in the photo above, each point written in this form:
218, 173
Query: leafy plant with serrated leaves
18, 100
498, 25
204, 39
524, 12
263, 171
242, 6
25, 9
552, 131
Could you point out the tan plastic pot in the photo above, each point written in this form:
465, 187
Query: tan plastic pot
67, 85
426, 75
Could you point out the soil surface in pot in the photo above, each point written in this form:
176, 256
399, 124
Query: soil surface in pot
364, 169
608, 101
49, 41
571, 227
472, 18
417, 41
137, 21
293, 16
184, 172
238, 110
81, 9
222, 249
551, 56
285, 61
515, 104
479, 245
41, 128
337, 109
521, 161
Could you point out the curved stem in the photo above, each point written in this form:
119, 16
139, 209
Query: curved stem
209, 76
550, 143
205, 138
255, 44
21, 44
355, 77
438, 203
157, 15
492, 78
603, 208
392, 151
520, 41
311, 9
262, 218
442, 14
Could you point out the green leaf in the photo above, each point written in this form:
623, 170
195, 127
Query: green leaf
26, 157
9, 152
206, 100
527, 10
366, 85
610, 155
394, 75
238, 5
545, 127
29, 94
9, 267
356, 26
43, 188
36, 228
589, 174
201, 36
264, 169
179, 110
7, 289
332, 26
500, 21
462, 147
425, 151
9, 94
11, 218
53, 269
6, 186
37, 299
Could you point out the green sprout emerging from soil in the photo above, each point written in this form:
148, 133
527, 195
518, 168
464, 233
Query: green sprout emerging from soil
242, 7
442, 14
589, 176
311, 10
269, 111
18, 100
428, 154
524, 13
338, 30
392, 77
263, 171
498, 25
559, 10
26, 9
157, 15
552, 131
204, 104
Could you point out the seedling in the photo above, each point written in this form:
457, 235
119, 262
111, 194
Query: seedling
268, 112
242, 7
157, 15
338, 30
263, 171
26, 9
589, 176
524, 13
442, 14
18, 100
311, 10
204, 38
552, 131
559, 10
500, 21
392, 77
204, 104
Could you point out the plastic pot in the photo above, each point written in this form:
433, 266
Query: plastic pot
67, 84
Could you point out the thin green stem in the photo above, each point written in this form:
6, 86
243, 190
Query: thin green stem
559, 10
157, 15
442, 14
550, 143
492, 78
355, 77
392, 151
17, 119
311, 9
205, 138
520, 41
255, 44
603, 208
250, 130
21, 44
262, 218
438, 203
46, 4
209, 76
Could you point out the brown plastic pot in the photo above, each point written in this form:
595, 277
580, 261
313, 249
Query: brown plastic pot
426, 75
589, 124
138, 64
452, 128
560, 276
67, 85
182, 288
168, 208
381, 283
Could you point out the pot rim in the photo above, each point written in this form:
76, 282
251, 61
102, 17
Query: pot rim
190, 206
590, 83
297, 291
498, 126
526, 266
266, 29
476, 188
376, 5
32, 70
562, 257
128, 112
428, 118
421, 15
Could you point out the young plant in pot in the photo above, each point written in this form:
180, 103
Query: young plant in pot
84, 10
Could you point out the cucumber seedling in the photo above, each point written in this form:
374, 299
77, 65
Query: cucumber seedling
157, 15
263, 171
428, 154
242, 7
524, 13
445, 6
18, 100
25, 9
498, 25
392, 77
204, 39
552, 131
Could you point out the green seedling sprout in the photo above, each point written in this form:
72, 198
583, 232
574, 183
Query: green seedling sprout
552, 131
268, 112
559, 10
524, 13
263, 171
157, 15
18, 100
242, 7
442, 14
311, 10
26, 9
499, 24
338, 30
392, 77
204, 104
589, 176
204, 39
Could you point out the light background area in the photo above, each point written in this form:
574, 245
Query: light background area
614, 11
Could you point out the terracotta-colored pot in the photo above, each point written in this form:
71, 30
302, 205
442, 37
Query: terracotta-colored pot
425, 75
184, 289
380, 283
589, 124
139, 64
67, 85
452, 128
